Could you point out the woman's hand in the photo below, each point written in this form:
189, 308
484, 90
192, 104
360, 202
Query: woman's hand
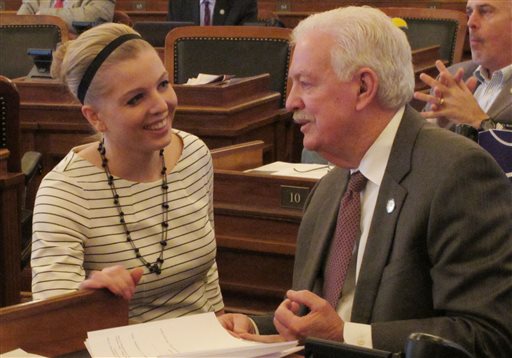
241, 326
117, 279
236, 323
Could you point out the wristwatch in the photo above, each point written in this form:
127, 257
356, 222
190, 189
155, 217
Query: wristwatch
487, 124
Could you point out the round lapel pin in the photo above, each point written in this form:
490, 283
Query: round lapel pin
390, 206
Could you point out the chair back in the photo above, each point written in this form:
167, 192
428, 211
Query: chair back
121, 17
155, 32
235, 50
10, 123
21, 32
428, 27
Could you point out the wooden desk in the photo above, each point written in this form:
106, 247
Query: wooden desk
140, 15
255, 238
11, 191
59, 325
256, 233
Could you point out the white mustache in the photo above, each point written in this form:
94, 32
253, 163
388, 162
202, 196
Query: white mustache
301, 116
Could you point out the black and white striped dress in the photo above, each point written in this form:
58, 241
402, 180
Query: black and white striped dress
76, 229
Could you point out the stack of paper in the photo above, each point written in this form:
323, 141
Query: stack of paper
191, 336
204, 78
301, 170
19, 353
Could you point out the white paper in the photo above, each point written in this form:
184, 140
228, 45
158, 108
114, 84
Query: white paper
301, 170
19, 353
191, 336
204, 78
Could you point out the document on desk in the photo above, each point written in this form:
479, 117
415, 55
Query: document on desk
198, 335
204, 78
300, 170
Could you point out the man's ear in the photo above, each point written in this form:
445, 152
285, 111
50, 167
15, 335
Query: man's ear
93, 118
368, 86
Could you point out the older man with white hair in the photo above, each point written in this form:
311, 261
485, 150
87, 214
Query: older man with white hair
411, 232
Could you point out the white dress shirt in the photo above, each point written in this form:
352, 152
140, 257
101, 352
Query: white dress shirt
372, 166
201, 11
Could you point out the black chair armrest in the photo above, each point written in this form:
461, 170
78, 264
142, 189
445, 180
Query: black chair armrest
423, 345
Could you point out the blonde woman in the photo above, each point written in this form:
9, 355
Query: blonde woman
132, 212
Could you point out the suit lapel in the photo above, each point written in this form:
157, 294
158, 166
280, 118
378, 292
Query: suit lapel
387, 210
191, 11
324, 230
221, 12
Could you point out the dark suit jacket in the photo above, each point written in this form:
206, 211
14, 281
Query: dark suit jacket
226, 12
501, 109
441, 262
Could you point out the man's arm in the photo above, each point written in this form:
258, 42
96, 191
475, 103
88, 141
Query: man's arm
172, 11
245, 11
89, 10
469, 233
251, 12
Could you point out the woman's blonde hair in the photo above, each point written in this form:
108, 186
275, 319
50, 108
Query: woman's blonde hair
71, 59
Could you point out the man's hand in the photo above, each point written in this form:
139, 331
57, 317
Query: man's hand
321, 322
117, 279
451, 99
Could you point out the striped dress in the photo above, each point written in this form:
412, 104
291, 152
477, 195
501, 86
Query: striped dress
76, 229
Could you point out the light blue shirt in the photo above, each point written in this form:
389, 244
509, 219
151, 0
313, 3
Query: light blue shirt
490, 87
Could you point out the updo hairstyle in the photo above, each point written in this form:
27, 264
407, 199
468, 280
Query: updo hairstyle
72, 58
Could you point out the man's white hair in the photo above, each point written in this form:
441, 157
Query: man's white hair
366, 37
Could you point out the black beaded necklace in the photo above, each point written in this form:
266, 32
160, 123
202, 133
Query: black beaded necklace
155, 267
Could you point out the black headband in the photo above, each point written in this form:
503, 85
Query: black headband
98, 60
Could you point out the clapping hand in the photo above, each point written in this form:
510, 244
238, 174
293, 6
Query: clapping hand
451, 99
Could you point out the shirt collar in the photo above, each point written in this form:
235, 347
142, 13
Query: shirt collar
374, 162
504, 74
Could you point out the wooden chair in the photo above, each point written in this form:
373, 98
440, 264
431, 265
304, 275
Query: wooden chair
428, 27
21, 32
16, 244
10, 123
11, 191
121, 17
237, 50
59, 325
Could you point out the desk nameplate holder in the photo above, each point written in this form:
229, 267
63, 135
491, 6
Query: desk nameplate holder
294, 197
